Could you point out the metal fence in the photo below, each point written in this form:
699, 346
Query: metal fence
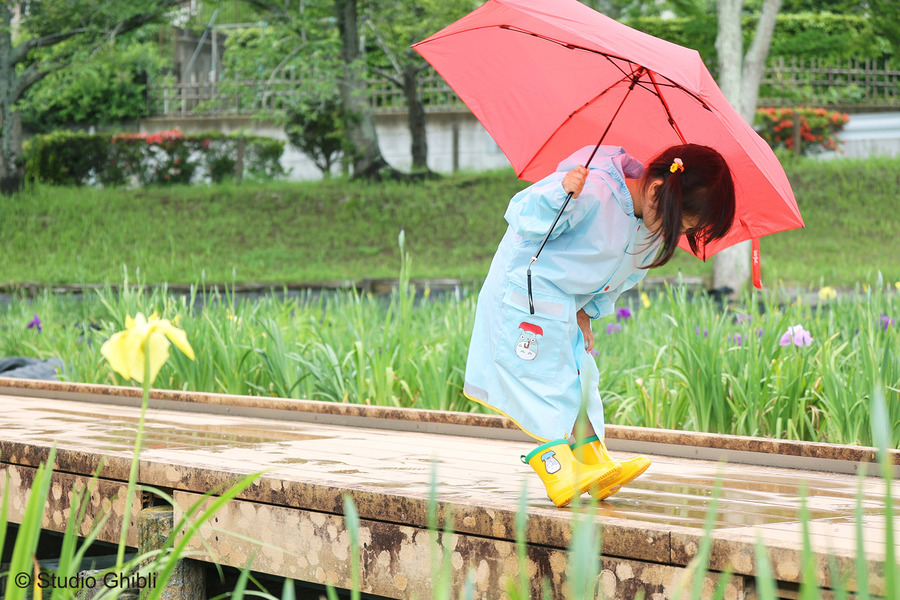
786, 82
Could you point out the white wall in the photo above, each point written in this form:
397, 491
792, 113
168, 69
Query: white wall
869, 134
459, 134
475, 150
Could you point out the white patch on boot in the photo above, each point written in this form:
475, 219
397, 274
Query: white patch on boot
551, 465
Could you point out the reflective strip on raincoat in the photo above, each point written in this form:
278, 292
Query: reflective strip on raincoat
532, 368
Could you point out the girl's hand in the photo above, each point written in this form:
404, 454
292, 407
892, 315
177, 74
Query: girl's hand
584, 323
574, 180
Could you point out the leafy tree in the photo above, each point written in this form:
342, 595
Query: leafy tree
886, 20
40, 37
740, 74
110, 88
626, 9
295, 71
354, 89
287, 73
318, 131
351, 80
395, 27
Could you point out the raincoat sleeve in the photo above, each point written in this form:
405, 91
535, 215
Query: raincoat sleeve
603, 304
531, 212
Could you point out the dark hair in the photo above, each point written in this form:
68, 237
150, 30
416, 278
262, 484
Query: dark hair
703, 190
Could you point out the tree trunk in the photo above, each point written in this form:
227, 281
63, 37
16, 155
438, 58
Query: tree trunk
11, 172
367, 158
755, 61
739, 78
416, 116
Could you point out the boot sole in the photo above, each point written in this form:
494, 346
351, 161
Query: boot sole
616, 485
598, 482
603, 481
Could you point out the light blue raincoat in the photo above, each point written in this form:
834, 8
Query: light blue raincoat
532, 368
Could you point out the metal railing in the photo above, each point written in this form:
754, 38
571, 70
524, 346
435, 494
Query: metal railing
786, 82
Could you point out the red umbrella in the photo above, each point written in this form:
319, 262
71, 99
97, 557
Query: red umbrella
546, 78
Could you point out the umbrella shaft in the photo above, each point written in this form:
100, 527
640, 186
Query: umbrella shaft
547, 237
634, 81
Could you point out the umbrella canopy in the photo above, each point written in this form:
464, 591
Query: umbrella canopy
546, 78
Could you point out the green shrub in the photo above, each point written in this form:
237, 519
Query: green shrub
64, 157
818, 127
163, 158
804, 35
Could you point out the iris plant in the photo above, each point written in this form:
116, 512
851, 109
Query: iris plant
138, 353
797, 336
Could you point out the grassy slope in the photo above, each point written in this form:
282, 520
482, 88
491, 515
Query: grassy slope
318, 231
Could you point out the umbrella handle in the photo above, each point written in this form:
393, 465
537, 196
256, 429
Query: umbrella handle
541, 247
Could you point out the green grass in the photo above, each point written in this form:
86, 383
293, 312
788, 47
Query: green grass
294, 232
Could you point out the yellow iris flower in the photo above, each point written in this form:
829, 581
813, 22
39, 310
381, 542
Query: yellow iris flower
827, 293
127, 350
645, 299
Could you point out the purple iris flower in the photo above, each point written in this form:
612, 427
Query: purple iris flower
760, 332
623, 313
35, 324
613, 328
705, 331
886, 321
737, 339
796, 335
743, 319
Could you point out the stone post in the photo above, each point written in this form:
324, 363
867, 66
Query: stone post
188, 581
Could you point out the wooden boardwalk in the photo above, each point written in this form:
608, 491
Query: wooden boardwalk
310, 454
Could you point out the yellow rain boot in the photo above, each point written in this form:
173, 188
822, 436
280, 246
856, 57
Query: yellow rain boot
592, 451
563, 476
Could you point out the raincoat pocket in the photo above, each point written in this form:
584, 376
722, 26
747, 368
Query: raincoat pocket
534, 343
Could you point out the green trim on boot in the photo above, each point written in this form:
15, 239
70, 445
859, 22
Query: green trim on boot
541, 448
578, 444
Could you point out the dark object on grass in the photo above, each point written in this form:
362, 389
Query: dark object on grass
30, 368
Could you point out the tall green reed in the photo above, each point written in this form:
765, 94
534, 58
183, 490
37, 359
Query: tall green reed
684, 362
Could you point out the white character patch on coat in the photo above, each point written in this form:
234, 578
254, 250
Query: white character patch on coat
551, 465
527, 344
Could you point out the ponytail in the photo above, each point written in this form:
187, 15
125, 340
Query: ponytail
696, 183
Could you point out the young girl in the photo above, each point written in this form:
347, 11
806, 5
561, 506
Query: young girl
534, 366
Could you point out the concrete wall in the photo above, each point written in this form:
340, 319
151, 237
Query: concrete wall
870, 134
457, 141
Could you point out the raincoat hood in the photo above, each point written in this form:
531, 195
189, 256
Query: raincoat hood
627, 164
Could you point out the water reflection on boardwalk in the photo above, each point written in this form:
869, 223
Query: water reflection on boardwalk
311, 454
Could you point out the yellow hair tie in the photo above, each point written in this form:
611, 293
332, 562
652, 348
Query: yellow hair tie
677, 165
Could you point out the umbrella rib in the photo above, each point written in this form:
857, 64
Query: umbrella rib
568, 45
665, 104
612, 58
635, 77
